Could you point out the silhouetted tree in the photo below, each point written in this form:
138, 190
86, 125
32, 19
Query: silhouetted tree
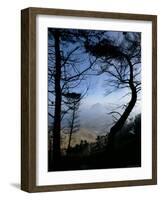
64, 74
120, 59
57, 112
73, 102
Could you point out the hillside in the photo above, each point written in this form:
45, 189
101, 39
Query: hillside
82, 134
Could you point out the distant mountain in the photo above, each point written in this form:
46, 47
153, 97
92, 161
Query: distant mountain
95, 119
97, 107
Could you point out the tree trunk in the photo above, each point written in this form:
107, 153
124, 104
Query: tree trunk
71, 130
120, 123
57, 112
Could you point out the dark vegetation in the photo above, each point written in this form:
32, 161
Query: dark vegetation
73, 56
125, 153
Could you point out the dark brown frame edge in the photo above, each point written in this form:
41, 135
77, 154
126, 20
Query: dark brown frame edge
28, 98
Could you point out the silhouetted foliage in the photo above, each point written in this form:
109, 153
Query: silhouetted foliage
127, 152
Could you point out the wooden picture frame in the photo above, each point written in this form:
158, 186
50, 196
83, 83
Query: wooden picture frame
28, 98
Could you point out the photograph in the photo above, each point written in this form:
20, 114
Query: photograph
94, 99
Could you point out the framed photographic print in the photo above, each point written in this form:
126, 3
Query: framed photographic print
89, 99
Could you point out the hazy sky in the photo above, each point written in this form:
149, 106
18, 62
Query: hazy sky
95, 83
